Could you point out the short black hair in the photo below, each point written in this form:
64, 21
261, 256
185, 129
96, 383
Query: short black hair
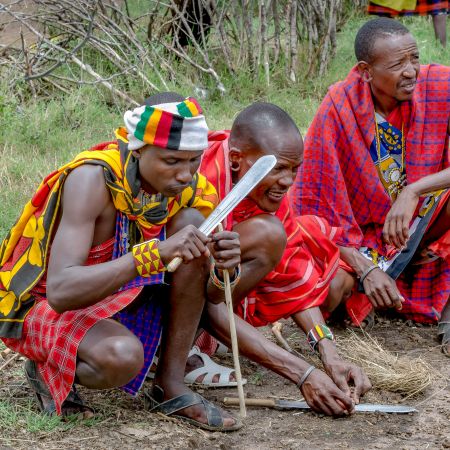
163, 97
371, 31
251, 123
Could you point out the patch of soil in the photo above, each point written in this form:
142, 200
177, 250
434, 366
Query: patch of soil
10, 29
123, 424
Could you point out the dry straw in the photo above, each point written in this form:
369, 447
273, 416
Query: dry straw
402, 374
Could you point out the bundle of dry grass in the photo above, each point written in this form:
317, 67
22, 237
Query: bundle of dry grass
402, 374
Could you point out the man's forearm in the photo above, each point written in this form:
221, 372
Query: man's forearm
253, 345
431, 183
306, 320
355, 259
81, 286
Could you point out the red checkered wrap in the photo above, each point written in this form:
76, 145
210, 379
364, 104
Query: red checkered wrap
423, 7
339, 181
52, 339
301, 279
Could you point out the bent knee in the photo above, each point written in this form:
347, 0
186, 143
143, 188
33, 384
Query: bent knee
119, 359
183, 218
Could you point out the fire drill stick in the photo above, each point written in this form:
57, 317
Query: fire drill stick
234, 342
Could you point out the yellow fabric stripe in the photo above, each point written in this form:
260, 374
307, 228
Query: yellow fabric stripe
152, 126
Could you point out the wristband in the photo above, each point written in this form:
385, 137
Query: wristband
317, 333
366, 272
147, 259
219, 283
305, 376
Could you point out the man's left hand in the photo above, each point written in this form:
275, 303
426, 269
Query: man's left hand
396, 225
225, 248
344, 374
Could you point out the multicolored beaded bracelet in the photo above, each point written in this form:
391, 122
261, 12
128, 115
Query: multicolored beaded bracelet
147, 259
219, 283
317, 333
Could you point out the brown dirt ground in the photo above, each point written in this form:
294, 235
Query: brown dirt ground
10, 29
123, 424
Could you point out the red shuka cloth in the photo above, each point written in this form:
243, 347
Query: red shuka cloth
52, 339
338, 179
301, 279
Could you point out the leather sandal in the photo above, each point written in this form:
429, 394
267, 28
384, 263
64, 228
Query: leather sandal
444, 337
39, 388
153, 401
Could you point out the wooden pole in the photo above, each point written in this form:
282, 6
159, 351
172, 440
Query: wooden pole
234, 342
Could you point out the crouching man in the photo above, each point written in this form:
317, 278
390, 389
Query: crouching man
83, 293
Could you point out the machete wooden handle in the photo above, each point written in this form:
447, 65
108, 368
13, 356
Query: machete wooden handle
174, 264
234, 401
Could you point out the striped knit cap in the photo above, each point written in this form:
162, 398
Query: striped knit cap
175, 126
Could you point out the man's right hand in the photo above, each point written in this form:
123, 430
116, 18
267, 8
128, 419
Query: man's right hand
382, 290
323, 396
188, 243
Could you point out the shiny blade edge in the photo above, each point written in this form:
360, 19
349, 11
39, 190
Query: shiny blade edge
248, 182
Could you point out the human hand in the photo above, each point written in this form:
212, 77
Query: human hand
188, 243
323, 396
382, 290
396, 225
344, 374
225, 248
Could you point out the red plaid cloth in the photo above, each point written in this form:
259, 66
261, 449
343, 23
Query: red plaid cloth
339, 181
52, 339
423, 8
301, 279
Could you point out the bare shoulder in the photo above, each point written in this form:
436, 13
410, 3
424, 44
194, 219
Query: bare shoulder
85, 193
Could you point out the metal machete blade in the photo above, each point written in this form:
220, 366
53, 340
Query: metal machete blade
363, 407
246, 184
398, 409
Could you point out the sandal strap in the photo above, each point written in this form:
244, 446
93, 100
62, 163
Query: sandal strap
444, 331
75, 398
173, 405
213, 414
39, 388
209, 370
36, 384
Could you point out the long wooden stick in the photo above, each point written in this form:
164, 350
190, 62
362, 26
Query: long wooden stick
234, 342
10, 360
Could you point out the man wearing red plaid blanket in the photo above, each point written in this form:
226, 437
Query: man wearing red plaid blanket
377, 164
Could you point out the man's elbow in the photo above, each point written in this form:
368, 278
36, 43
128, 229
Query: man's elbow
55, 297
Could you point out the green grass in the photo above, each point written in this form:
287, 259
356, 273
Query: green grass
22, 415
40, 135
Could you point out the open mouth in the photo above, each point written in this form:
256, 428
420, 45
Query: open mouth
276, 195
409, 87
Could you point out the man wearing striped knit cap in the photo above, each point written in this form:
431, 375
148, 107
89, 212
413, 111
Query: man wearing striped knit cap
84, 295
